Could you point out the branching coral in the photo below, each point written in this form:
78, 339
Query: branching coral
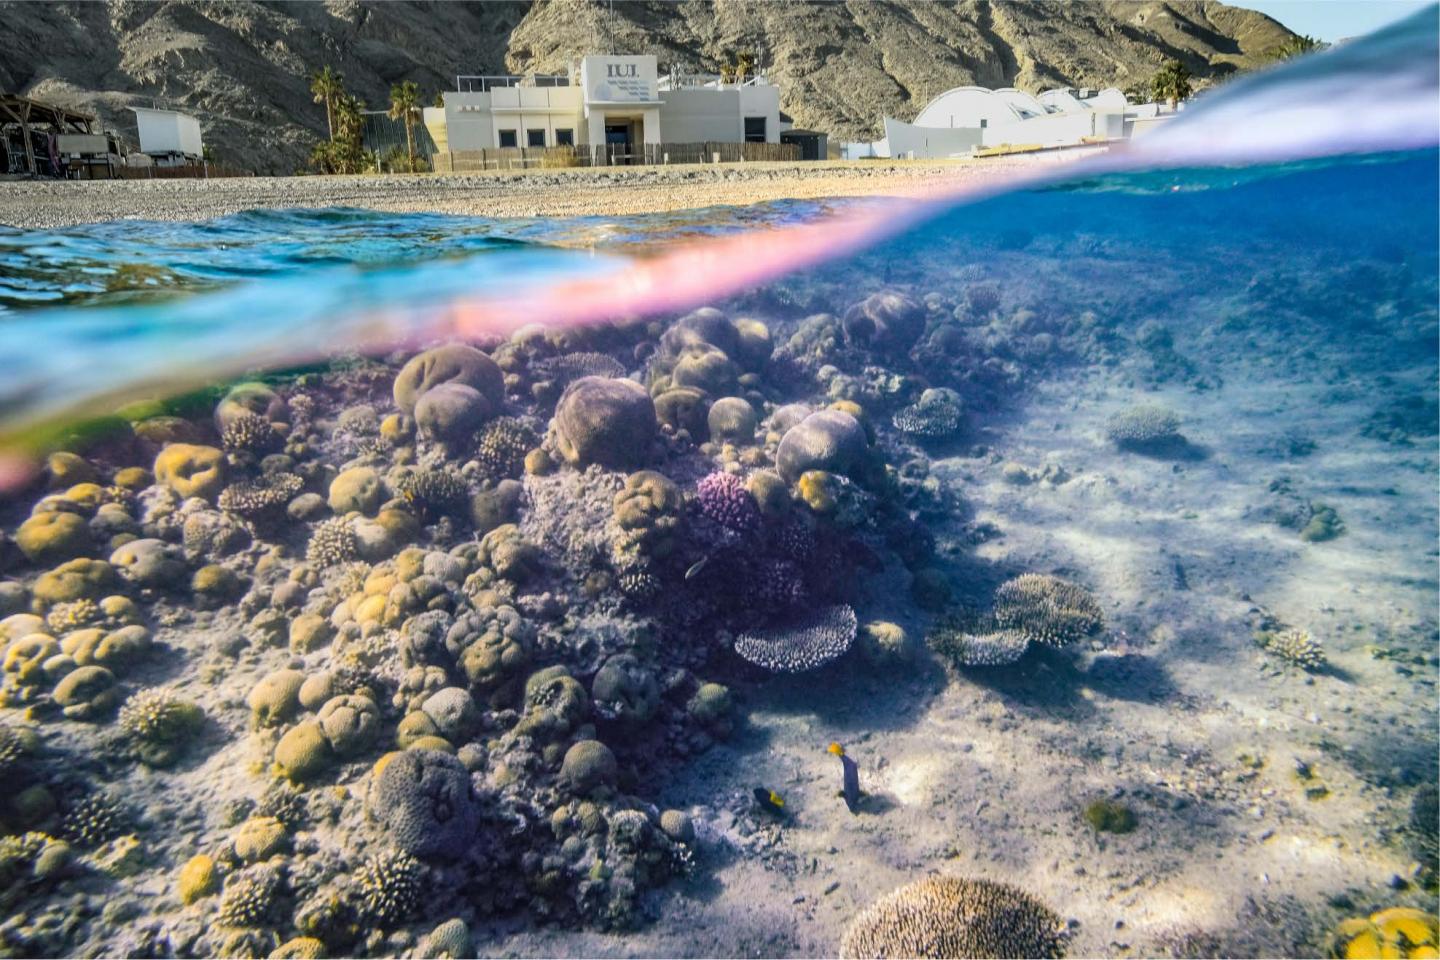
723, 498
501, 447
260, 499
1293, 646
387, 888
332, 542
1143, 426
1047, 609
935, 416
251, 433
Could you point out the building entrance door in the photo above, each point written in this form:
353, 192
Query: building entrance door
617, 143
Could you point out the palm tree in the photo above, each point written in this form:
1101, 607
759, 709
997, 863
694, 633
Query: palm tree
1171, 84
1294, 47
404, 104
328, 86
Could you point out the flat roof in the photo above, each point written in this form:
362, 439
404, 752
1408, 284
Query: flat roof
175, 113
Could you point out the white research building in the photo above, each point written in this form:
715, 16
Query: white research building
616, 109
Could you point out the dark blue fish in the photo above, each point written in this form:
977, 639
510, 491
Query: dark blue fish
850, 774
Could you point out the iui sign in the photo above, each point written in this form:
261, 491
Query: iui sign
615, 79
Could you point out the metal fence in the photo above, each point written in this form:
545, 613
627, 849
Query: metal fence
611, 155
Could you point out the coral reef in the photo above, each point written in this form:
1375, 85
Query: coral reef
937, 415
954, 917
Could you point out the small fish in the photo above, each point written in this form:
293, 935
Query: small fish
851, 777
696, 567
769, 800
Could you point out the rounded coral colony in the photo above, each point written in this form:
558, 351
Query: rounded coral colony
944, 917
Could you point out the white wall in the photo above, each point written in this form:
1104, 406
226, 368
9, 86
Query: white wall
691, 116
925, 142
164, 131
760, 100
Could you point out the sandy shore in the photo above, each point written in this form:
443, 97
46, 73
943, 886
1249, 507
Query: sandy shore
555, 193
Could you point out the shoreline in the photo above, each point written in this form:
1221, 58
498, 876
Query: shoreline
610, 191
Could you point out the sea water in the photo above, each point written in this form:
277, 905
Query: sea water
380, 584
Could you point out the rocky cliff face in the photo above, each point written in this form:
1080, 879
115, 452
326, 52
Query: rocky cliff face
243, 66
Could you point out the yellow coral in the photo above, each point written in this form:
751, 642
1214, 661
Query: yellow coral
816, 488
197, 879
303, 752
191, 470
1403, 932
50, 537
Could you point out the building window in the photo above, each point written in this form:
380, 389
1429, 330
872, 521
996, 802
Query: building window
754, 129
564, 138
534, 138
507, 139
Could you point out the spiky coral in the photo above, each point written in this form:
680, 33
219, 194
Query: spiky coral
249, 897
935, 416
160, 724
1143, 426
387, 888
252, 433
959, 639
332, 542
92, 819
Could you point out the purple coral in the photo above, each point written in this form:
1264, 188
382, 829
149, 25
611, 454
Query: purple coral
722, 497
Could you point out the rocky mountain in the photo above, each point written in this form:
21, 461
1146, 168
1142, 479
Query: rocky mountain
242, 66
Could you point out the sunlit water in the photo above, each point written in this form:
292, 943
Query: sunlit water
1202, 396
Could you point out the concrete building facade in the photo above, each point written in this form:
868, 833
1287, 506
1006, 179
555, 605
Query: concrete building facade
619, 102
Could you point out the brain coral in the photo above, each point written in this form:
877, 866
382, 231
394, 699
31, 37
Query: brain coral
452, 363
953, 917
1047, 609
812, 641
424, 801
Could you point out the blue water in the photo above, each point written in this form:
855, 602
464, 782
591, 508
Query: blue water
1266, 274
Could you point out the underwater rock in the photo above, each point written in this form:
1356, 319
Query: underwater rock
497, 506
454, 363
605, 422
806, 643
830, 441
424, 802
625, 691
953, 917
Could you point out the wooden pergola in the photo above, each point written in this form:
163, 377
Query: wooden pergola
29, 113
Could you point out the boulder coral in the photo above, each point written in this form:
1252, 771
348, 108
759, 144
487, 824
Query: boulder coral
424, 802
828, 440
455, 363
191, 470
606, 422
